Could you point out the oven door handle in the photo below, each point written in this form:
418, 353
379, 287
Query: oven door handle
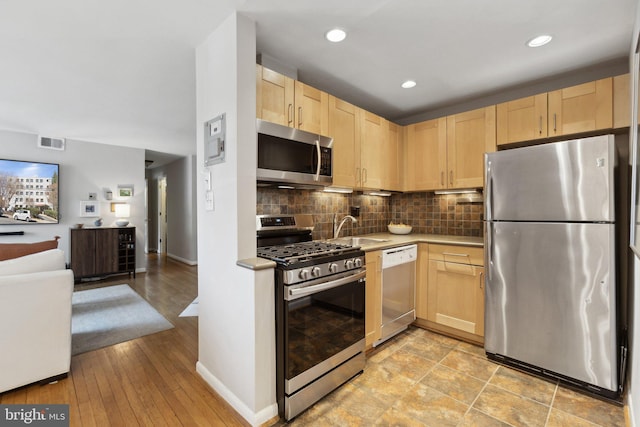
313, 289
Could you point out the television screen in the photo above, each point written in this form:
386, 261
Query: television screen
28, 192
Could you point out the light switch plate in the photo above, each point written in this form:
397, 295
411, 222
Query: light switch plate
209, 204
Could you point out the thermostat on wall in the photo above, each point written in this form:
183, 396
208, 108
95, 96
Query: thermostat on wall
214, 136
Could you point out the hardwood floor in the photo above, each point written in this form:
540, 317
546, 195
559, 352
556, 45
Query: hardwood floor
149, 381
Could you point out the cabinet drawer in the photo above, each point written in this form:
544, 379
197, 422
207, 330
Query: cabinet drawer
457, 254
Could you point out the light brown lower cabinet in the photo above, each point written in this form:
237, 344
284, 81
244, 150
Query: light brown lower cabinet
373, 298
422, 280
454, 297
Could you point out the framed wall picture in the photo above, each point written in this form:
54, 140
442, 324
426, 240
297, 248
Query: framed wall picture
124, 192
89, 208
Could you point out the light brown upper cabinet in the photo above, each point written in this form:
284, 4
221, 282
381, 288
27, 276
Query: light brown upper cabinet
282, 100
393, 161
469, 136
274, 97
577, 109
344, 128
582, 108
622, 102
365, 148
311, 109
373, 148
522, 120
448, 153
426, 155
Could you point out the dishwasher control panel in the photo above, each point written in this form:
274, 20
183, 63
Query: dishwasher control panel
400, 255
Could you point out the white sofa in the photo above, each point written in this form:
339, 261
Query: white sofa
35, 319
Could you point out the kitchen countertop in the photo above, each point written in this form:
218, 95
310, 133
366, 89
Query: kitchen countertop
388, 241
392, 240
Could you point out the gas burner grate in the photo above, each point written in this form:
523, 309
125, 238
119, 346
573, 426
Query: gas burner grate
303, 251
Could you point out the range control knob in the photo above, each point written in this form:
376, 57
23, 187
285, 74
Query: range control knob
315, 271
348, 264
333, 267
304, 274
358, 262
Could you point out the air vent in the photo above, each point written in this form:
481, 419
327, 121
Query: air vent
51, 143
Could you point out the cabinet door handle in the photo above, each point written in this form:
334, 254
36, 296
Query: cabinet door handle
451, 177
452, 254
540, 126
299, 116
554, 122
442, 178
364, 175
290, 114
481, 278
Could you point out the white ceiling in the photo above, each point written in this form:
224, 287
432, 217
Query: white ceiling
123, 73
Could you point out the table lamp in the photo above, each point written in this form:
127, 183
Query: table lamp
123, 211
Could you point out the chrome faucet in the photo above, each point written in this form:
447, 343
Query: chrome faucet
337, 227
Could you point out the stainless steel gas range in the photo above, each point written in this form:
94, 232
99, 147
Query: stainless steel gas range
320, 301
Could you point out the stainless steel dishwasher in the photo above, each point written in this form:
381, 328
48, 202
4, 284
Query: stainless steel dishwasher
398, 290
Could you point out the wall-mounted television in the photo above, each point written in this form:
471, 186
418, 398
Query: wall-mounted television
29, 192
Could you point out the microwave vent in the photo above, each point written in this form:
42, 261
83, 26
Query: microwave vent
51, 143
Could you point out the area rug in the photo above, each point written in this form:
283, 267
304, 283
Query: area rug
110, 315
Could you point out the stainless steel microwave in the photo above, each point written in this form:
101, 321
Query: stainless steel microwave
292, 156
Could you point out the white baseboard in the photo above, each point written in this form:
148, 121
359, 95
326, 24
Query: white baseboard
141, 270
254, 418
186, 261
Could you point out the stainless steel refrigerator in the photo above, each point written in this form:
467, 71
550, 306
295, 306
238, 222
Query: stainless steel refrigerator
550, 295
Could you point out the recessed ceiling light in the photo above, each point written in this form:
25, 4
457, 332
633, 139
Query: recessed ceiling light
539, 40
408, 84
336, 35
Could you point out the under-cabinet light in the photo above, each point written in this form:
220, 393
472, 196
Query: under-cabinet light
462, 191
338, 190
377, 193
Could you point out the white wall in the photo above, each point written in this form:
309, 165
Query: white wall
236, 309
85, 168
182, 230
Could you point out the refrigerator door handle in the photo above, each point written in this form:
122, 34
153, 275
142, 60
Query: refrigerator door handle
488, 192
489, 250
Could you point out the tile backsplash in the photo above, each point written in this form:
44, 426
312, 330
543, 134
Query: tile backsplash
451, 214
374, 216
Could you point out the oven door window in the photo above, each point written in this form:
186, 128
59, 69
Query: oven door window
321, 325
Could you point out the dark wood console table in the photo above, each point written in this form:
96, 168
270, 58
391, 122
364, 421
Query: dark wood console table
102, 251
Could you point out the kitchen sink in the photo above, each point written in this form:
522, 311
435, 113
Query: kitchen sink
358, 241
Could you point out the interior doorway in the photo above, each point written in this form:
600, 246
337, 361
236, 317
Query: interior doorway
162, 215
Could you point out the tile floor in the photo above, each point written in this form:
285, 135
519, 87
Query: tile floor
424, 379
